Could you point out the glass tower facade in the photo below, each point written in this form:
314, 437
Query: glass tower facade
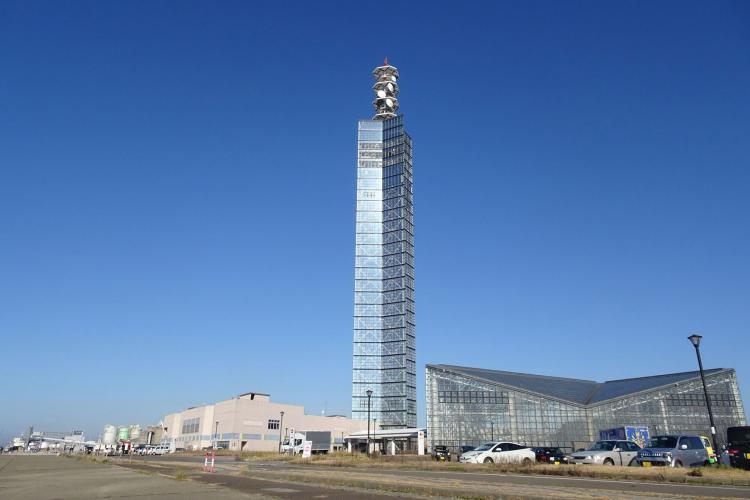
384, 360
467, 407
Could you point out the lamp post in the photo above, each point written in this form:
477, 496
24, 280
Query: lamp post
369, 395
216, 435
695, 339
281, 426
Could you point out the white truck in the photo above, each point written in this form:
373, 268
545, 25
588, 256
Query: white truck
321, 442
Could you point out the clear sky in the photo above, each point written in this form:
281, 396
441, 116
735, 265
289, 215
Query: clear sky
177, 195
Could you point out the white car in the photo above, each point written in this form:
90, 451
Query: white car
160, 449
499, 453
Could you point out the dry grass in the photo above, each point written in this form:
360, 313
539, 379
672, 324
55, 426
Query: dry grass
704, 475
180, 476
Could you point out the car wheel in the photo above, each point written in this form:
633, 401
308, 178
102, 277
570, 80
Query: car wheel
677, 463
609, 461
633, 463
488, 460
526, 461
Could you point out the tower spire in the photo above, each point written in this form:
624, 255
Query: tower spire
386, 90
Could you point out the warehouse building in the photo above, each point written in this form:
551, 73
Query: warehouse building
250, 422
470, 406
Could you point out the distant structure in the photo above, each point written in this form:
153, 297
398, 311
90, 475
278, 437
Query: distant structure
251, 422
470, 406
384, 360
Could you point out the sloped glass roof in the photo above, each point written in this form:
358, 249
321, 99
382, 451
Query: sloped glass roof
581, 392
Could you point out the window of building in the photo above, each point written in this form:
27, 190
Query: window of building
700, 400
273, 424
475, 397
191, 425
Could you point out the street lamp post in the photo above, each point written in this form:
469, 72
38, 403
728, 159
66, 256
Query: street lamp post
216, 436
369, 395
696, 341
281, 426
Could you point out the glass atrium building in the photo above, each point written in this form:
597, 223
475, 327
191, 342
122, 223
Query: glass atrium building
384, 360
470, 406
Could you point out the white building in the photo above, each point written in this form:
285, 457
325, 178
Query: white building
250, 422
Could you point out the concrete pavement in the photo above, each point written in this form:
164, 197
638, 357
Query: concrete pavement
506, 482
47, 477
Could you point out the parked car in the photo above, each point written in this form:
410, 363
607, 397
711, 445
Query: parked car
609, 452
674, 451
712, 459
441, 453
498, 453
550, 455
738, 447
465, 448
160, 449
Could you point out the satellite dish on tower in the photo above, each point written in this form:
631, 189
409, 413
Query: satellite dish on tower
389, 103
390, 87
381, 93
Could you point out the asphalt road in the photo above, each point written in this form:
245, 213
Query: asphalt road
47, 477
60, 478
490, 483
497, 481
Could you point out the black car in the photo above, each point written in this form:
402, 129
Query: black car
738, 447
463, 449
550, 455
441, 453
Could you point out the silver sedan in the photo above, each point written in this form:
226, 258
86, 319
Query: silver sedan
608, 452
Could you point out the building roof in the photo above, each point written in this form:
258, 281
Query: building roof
577, 391
388, 433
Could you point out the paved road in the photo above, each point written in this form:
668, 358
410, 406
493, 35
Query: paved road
496, 481
530, 485
47, 477
59, 478
232, 475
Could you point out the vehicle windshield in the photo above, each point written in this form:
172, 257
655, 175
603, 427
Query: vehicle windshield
484, 447
603, 446
663, 442
737, 435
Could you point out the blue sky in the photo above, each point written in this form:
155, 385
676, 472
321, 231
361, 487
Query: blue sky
177, 189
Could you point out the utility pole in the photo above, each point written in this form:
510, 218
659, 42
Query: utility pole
696, 341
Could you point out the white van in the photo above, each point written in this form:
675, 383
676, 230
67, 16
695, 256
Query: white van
160, 449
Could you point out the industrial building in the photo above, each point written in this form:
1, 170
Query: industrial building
470, 406
49, 440
250, 422
132, 435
